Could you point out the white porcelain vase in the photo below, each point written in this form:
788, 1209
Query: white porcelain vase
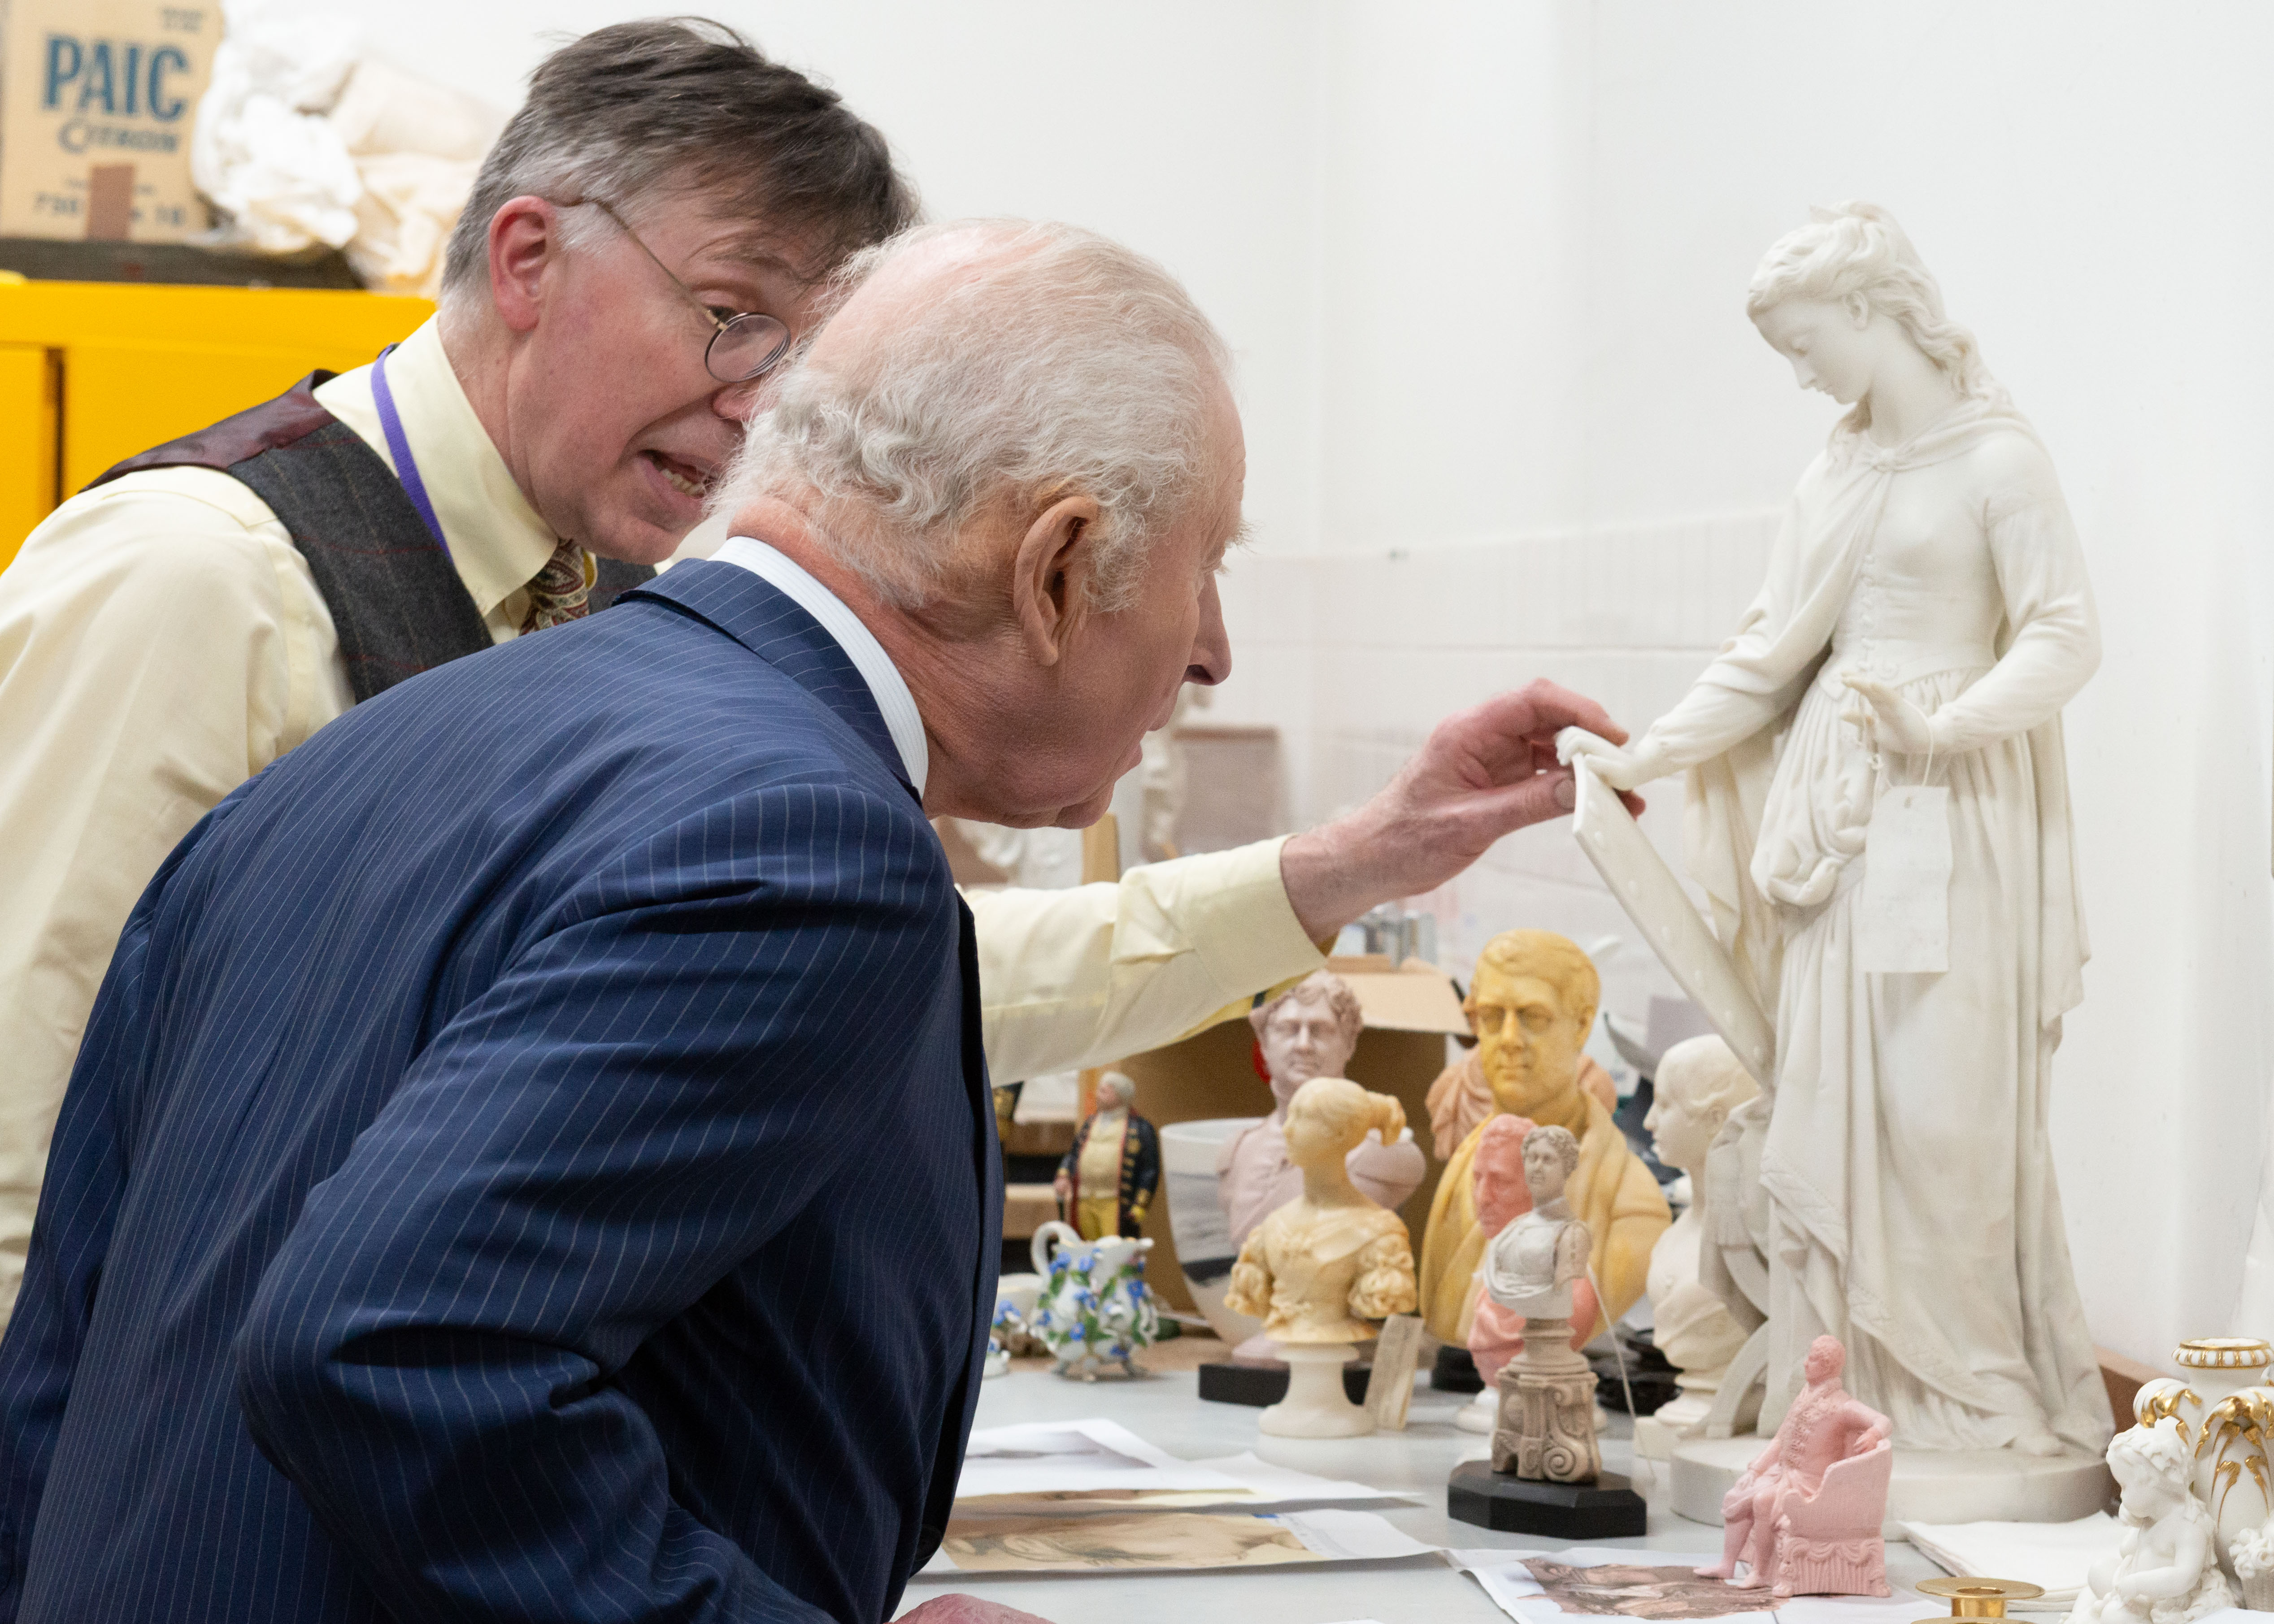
2225, 1406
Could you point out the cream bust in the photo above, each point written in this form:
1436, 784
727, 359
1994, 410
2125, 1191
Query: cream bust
1323, 1268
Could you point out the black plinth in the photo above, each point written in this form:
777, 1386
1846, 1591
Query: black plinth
1455, 1371
1264, 1382
1603, 1509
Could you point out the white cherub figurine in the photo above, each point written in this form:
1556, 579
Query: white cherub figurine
2166, 1571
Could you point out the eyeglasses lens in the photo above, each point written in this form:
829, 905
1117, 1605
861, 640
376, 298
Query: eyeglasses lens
745, 347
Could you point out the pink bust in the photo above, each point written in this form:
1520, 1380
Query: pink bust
1805, 1516
1496, 1333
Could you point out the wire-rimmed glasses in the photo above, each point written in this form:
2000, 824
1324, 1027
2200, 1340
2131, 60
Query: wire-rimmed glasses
741, 346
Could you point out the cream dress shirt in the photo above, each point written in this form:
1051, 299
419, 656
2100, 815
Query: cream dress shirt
162, 640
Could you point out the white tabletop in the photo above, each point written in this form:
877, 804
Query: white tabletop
1167, 1410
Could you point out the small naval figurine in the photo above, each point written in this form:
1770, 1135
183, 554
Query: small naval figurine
1806, 1514
2166, 1571
1320, 1270
1107, 1180
1546, 1474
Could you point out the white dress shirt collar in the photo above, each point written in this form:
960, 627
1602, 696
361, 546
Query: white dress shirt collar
885, 684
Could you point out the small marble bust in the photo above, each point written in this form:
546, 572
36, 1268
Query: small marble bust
1328, 1264
1503, 1196
1531, 1263
2166, 1570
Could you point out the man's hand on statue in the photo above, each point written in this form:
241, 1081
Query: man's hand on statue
1483, 773
968, 1609
1887, 720
1622, 769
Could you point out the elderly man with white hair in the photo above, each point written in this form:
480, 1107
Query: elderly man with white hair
531, 1155
650, 234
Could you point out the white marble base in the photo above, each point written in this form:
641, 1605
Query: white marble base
1315, 1405
1977, 1485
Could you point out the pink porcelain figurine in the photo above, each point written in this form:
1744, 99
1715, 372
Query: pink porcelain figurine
1805, 1517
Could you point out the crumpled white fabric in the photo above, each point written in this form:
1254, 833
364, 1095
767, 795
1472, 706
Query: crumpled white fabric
417, 147
302, 140
262, 150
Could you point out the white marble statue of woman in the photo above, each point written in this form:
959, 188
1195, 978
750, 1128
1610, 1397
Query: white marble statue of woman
1926, 616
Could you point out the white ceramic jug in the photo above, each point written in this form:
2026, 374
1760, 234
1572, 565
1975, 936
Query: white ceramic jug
1093, 1310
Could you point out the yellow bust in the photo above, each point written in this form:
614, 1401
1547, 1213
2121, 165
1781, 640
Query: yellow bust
1533, 1003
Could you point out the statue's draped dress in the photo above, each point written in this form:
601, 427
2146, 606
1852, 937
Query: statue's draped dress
1912, 1210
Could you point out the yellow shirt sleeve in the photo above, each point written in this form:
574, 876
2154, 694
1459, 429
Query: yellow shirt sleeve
161, 642
1087, 976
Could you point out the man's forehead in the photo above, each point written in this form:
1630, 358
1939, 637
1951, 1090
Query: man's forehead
726, 238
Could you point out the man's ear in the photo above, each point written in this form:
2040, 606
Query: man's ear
525, 241
1051, 574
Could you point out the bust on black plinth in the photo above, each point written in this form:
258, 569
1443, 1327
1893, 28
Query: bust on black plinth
1546, 1474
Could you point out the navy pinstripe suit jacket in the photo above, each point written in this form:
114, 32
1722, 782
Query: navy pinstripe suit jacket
530, 1160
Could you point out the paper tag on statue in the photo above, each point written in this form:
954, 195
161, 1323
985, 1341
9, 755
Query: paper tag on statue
1903, 923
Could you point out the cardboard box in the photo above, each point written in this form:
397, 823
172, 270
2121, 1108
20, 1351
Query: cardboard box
97, 99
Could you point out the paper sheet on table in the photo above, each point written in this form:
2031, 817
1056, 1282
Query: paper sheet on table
1541, 1587
1256, 1486
1061, 1457
1167, 1542
2057, 1555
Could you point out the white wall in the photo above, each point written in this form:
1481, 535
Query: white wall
1486, 261
1553, 433
1185, 129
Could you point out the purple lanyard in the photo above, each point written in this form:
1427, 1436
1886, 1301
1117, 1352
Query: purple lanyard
398, 446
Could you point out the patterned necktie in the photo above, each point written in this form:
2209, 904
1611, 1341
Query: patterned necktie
559, 591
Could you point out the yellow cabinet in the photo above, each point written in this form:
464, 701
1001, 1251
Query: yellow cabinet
92, 372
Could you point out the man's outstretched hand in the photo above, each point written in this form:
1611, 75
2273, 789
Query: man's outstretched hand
968, 1609
1485, 773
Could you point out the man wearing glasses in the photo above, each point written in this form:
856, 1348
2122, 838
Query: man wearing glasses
652, 232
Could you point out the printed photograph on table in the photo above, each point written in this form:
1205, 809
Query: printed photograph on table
1167, 1542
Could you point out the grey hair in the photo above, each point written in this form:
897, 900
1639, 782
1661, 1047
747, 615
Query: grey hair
643, 114
1061, 362
1123, 1085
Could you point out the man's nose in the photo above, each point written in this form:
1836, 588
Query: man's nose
739, 402
1211, 657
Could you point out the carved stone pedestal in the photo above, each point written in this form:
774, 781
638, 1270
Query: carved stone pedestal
1545, 1476
1546, 1430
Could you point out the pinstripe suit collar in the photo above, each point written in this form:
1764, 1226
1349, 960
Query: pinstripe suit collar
764, 619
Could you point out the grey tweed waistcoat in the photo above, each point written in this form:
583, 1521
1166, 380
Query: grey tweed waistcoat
395, 598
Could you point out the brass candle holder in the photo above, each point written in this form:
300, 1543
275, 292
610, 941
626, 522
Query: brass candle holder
1978, 1598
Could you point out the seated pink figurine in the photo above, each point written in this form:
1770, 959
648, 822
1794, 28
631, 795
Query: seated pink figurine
1805, 1517
1496, 1333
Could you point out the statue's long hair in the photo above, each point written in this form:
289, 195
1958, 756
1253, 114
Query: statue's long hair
1856, 247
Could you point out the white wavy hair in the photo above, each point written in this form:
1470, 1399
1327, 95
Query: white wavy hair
1856, 247
1061, 362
